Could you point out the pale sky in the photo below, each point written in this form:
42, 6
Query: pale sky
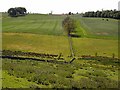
59, 6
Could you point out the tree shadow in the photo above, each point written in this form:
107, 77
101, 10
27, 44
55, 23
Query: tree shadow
75, 35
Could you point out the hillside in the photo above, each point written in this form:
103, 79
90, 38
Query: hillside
35, 37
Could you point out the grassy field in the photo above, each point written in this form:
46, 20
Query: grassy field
37, 24
58, 44
44, 34
36, 43
20, 34
80, 74
102, 28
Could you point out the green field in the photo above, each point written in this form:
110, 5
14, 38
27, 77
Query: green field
44, 34
97, 27
37, 24
100, 27
52, 38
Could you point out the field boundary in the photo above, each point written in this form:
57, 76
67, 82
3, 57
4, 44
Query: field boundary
51, 58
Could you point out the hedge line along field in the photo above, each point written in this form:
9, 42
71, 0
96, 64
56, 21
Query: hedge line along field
44, 34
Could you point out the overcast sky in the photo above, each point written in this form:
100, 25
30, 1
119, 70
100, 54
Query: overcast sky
59, 6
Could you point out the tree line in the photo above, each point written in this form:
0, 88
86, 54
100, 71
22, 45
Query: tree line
103, 14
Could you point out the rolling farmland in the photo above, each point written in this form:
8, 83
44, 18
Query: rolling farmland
25, 31
44, 34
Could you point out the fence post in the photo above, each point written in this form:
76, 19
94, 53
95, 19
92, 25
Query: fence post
113, 55
71, 46
96, 54
59, 56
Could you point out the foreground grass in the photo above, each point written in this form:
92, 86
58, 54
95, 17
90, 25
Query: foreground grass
16, 82
79, 74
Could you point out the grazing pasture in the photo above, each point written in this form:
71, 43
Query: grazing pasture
43, 34
100, 27
37, 24
58, 44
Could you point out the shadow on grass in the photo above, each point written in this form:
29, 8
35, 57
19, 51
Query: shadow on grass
75, 35
42, 60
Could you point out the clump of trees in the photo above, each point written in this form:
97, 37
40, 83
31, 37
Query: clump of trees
70, 13
17, 11
103, 14
69, 25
